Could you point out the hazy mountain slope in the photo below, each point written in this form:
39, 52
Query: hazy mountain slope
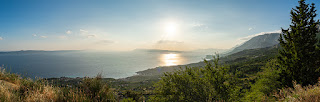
260, 41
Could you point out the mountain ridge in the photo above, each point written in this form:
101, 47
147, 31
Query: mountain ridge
260, 41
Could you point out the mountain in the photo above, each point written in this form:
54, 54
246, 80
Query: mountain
260, 41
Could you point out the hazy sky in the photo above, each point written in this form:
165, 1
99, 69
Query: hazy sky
130, 24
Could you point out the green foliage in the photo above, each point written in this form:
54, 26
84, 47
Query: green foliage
97, 90
135, 96
210, 83
266, 83
299, 58
128, 100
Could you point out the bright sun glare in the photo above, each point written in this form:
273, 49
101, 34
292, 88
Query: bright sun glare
170, 28
170, 59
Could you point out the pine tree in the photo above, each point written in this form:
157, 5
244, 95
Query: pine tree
299, 56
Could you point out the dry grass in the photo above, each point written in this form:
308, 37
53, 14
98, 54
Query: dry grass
72, 95
309, 93
7, 94
13, 88
12, 78
42, 94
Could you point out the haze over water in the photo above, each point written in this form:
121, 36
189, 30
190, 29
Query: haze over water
84, 63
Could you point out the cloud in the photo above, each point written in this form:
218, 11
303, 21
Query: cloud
39, 36
91, 36
83, 31
250, 28
168, 42
86, 34
43, 36
170, 45
69, 31
105, 42
262, 33
1, 38
199, 26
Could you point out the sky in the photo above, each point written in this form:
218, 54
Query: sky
124, 25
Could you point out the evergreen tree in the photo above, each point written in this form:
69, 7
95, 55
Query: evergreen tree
299, 55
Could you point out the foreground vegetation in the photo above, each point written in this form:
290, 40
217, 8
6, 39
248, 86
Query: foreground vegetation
14, 88
285, 72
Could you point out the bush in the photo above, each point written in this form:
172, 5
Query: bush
97, 90
210, 83
267, 82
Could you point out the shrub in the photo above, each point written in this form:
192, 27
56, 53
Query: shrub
210, 83
267, 82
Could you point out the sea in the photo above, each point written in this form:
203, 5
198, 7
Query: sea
55, 64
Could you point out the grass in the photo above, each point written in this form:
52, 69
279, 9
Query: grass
14, 88
309, 93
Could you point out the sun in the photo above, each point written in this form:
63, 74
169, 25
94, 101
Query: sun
171, 28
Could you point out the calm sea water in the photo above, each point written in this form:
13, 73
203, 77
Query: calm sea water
85, 63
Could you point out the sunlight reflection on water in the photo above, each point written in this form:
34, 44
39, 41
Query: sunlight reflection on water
170, 59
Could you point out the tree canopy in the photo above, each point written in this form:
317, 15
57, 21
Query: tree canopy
299, 55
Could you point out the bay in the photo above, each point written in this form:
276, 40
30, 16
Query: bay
48, 64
